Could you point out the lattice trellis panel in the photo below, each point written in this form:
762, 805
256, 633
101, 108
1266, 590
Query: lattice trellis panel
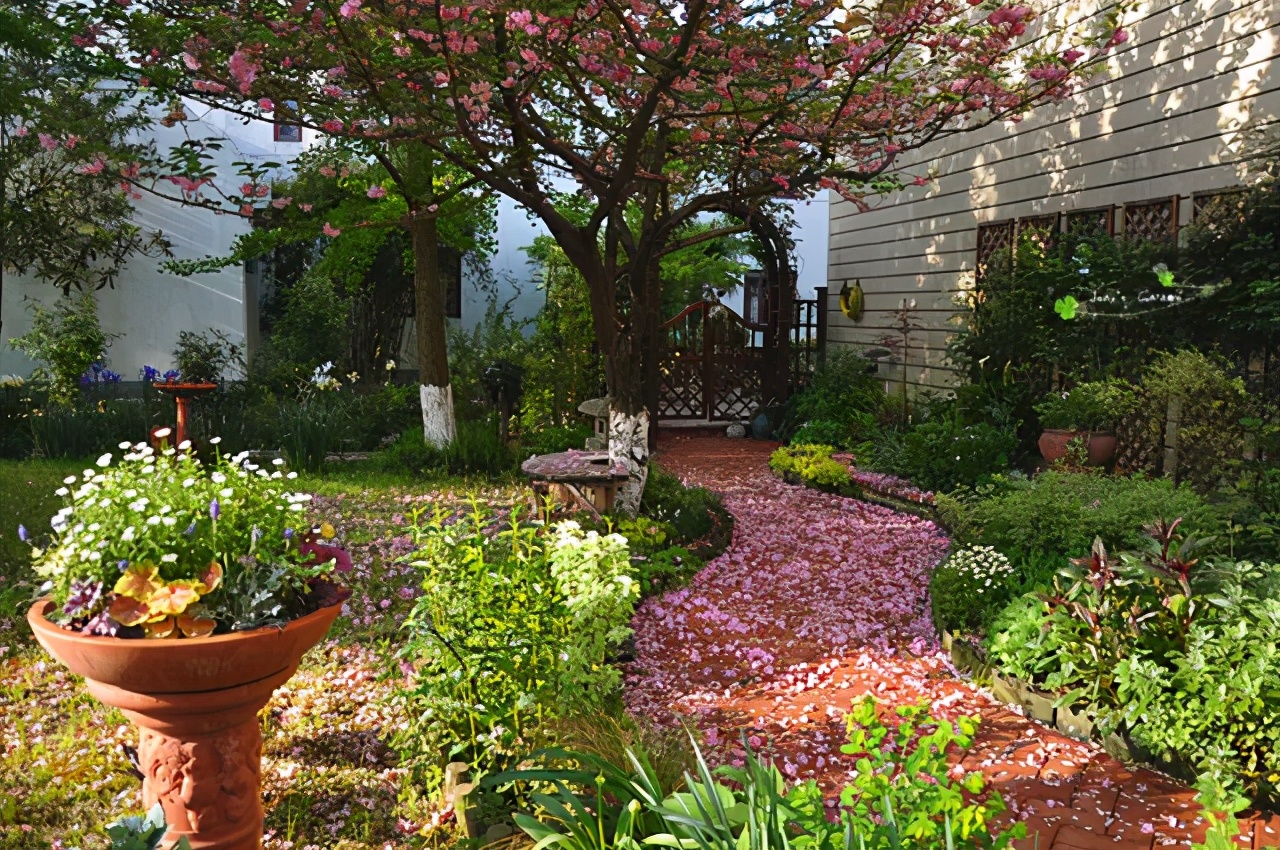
1088, 223
1156, 221
1138, 445
738, 391
681, 394
1044, 229
993, 240
1217, 209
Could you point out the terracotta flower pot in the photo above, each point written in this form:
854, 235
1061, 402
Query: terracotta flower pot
195, 703
1053, 445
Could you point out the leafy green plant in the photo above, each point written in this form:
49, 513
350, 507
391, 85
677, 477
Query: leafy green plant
476, 449
904, 795
514, 627
204, 358
312, 428
1090, 406
944, 453
65, 342
86, 430
904, 791
810, 464
135, 832
1212, 409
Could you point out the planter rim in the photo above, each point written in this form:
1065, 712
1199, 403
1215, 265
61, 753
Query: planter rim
184, 665
37, 617
1080, 432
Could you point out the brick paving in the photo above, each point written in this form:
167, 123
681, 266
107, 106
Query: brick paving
1071, 795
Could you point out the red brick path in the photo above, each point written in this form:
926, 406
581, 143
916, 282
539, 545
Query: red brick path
1072, 795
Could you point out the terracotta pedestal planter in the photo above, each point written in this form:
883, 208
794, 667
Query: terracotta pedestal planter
195, 702
1100, 447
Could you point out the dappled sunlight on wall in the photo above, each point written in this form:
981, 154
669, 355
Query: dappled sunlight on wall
1170, 114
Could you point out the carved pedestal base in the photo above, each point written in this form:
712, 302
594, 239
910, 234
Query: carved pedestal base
195, 703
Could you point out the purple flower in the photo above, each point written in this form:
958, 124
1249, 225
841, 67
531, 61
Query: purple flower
215, 510
101, 624
172, 375
22, 533
191, 529
288, 534
122, 564
150, 374
84, 598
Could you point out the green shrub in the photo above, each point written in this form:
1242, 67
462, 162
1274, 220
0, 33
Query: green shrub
84, 430
696, 516
1090, 406
476, 450
551, 439
313, 428
842, 405
514, 628
65, 342
1061, 512
1019, 645
811, 464
943, 454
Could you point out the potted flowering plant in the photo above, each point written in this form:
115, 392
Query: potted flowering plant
185, 594
1087, 412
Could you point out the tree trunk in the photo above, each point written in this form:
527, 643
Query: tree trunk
632, 374
436, 394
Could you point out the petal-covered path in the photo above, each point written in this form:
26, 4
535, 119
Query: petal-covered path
820, 599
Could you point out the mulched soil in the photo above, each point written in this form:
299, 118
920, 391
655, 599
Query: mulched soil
821, 599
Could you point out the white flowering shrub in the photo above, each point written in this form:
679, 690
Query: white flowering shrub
968, 586
517, 623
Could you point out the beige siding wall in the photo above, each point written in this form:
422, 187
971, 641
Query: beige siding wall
1170, 117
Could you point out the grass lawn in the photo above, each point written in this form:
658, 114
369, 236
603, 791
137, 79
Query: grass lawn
330, 778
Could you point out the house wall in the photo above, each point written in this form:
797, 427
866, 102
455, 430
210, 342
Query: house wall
148, 306
1170, 117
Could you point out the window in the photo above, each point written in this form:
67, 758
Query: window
285, 130
450, 260
755, 298
993, 240
1152, 221
451, 279
1042, 228
1089, 223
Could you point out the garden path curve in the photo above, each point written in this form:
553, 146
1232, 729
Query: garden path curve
820, 599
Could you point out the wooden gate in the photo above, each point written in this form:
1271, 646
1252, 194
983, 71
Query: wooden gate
712, 366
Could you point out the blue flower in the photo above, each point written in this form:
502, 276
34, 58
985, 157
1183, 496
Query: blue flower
215, 510
150, 374
22, 533
172, 375
288, 534
191, 529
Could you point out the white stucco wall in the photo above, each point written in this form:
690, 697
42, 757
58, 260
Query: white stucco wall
148, 307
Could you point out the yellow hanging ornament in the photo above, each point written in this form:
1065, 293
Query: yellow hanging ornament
851, 299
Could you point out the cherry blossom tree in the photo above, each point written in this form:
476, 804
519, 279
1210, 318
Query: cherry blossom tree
662, 111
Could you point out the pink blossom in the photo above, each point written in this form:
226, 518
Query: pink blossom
281, 203
47, 142
350, 7
243, 70
192, 63
1072, 56
376, 192
331, 231
333, 125
266, 104
306, 208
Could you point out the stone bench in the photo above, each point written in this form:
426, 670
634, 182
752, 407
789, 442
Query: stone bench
589, 479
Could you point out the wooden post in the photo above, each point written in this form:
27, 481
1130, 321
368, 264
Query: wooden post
1173, 419
821, 294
